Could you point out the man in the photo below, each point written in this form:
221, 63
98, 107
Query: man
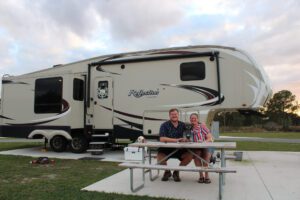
172, 131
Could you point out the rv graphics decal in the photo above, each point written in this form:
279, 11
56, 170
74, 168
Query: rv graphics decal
140, 93
132, 124
65, 110
99, 68
3, 117
134, 116
13, 82
211, 96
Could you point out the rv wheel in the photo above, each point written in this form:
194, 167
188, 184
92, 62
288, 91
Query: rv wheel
58, 143
79, 144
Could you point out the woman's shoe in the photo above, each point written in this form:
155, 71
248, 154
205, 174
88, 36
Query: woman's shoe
207, 180
201, 180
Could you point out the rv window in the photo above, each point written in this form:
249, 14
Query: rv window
78, 89
192, 71
48, 95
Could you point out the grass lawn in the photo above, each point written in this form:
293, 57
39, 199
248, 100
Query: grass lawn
63, 180
266, 146
286, 135
19, 145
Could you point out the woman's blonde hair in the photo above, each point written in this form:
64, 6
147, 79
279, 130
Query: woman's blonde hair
195, 114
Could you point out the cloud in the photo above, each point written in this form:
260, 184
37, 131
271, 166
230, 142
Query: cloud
138, 19
39, 34
45, 33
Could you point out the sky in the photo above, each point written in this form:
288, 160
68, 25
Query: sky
37, 34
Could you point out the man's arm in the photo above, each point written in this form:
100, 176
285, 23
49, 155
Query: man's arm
167, 139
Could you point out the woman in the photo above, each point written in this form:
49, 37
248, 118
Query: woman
200, 133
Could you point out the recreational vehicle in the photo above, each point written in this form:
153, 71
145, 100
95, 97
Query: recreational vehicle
122, 96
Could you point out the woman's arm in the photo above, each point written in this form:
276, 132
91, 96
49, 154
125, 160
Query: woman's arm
208, 136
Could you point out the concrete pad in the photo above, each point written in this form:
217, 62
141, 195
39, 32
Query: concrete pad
259, 176
112, 156
38, 152
279, 171
5, 140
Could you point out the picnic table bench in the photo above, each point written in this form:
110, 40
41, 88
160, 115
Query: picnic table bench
148, 167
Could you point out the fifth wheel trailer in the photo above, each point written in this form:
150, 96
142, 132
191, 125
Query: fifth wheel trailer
123, 96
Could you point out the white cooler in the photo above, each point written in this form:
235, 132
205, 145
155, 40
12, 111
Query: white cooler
133, 153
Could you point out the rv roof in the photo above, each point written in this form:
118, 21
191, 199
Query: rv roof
140, 53
135, 54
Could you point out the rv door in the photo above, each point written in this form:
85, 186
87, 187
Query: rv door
103, 103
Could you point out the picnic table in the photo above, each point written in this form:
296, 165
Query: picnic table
148, 167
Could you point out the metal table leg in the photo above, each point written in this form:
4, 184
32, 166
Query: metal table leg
223, 164
143, 161
222, 175
131, 182
135, 189
168, 156
197, 156
150, 171
220, 186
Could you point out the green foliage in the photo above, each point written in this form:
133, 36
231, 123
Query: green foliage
282, 101
281, 107
235, 119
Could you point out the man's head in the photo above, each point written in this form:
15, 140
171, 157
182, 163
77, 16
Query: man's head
173, 114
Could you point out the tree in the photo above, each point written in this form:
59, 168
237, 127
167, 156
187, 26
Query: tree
280, 106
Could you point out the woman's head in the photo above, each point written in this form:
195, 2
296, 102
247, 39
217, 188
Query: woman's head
194, 118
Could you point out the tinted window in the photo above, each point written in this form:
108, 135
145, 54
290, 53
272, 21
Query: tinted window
48, 95
192, 71
78, 89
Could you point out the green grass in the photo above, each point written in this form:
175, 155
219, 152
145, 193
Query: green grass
286, 135
19, 145
21, 180
267, 146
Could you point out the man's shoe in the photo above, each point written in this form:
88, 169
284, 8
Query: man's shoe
166, 175
176, 176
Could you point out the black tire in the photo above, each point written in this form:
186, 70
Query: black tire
58, 143
79, 144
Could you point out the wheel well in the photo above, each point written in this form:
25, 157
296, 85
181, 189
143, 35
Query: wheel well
49, 134
38, 136
78, 132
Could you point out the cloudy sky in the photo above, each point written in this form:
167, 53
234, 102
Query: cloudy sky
36, 34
